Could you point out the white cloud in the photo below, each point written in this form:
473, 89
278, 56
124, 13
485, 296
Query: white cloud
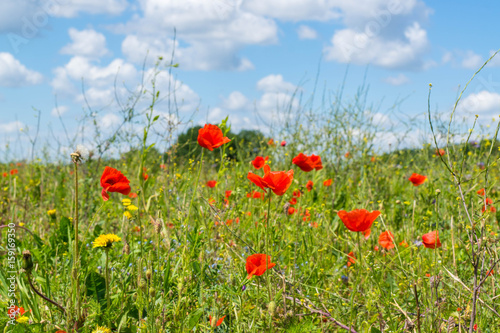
472, 60
295, 10
210, 33
397, 80
275, 83
73, 7
11, 127
305, 32
15, 74
59, 111
351, 46
482, 103
235, 100
86, 43
98, 80
109, 120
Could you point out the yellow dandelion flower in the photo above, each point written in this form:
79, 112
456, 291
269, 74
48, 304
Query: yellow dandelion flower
132, 207
51, 213
101, 329
21, 224
126, 202
127, 215
22, 320
105, 240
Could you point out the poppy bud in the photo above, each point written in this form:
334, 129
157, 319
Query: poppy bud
143, 284
27, 264
126, 248
148, 274
271, 307
152, 292
283, 143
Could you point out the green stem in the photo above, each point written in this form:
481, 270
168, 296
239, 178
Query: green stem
107, 279
268, 228
195, 188
76, 259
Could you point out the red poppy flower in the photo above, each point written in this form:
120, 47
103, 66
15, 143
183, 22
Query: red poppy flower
163, 166
328, 182
145, 176
255, 195
296, 194
376, 248
403, 243
214, 322
291, 210
5, 174
346, 155
211, 183
270, 142
386, 240
307, 163
367, 233
440, 152
358, 219
256, 264
309, 185
113, 180
15, 311
210, 137
431, 240
313, 224
293, 201
259, 162
351, 259
228, 194
481, 192
283, 143
373, 159
488, 202
13, 171
307, 215
417, 179
132, 195
277, 181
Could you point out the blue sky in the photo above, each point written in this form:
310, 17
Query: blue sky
236, 57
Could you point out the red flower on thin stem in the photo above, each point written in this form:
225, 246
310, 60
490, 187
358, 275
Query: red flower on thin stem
283, 143
431, 240
228, 194
145, 176
211, 137
386, 240
256, 264
211, 183
277, 181
214, 322
328, 182
417, 179
440, 152
15, 311
13, 172
358, 220
259, 162
113, 180
308, 163
309, 185
481, 192
351, 259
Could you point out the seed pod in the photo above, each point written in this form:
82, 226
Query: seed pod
143, 284
126, 248
152, 292
148, 274
271, 307
27, 264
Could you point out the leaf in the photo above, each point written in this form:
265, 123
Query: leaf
96, 287
194, 318
156, 118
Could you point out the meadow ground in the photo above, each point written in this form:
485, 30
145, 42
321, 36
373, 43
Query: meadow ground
352, 240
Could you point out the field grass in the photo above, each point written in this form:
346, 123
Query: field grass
180, 262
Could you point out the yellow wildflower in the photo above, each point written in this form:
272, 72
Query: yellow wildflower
127, 215
132, 207
105, 240
51, 213
101, 329
126, 202
22, 320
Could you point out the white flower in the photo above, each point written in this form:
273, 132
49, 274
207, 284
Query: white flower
82, 151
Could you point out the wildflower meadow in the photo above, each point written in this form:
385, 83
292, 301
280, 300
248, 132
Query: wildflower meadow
310, 228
